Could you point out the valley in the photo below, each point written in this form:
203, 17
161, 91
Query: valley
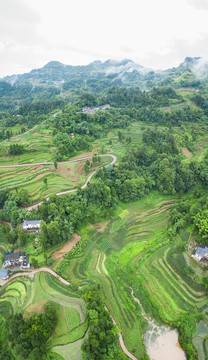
120, 195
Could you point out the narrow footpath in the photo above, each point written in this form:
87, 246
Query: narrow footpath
31, 274
121, 342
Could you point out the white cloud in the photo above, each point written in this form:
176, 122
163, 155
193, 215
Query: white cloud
199, 4
155, 33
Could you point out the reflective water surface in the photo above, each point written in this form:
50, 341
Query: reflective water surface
161, 341
162, 344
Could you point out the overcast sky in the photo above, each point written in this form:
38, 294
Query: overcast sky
153, 33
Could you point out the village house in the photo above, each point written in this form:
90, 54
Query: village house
18, 259
31, 225
91, 110
200, 253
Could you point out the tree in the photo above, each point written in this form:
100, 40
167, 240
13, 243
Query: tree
86, 168
201, 223
55, 164
34, 262
22, 237
44, 237
45, 180
94, 159
22, 197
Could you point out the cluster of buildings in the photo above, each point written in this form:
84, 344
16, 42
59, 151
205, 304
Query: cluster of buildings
19, 260
92, 110
12, 262
200, 253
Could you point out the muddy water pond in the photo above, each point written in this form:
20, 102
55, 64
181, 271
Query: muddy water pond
162, 344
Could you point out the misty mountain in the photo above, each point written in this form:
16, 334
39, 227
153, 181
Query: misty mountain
56, 73
57, 81
98, 75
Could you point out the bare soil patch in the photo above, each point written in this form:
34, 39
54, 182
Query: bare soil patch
189, 89
5, 175
33, 144
167, 109
100, 226
36, 308
65, 170
37, 134
138, 256
36, 168
42, 175
80, 169
191, 245
31, 171
14, 138
187, 153
178, 345
59, 254
200, 146
83, 155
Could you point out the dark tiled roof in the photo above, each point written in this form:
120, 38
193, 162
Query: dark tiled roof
201, 250
14, 256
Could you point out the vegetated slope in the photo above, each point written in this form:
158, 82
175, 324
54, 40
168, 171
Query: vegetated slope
134, 251
29, 298
55, 81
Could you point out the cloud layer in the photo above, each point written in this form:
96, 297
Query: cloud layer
157, 34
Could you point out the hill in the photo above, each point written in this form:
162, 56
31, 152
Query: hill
114, 158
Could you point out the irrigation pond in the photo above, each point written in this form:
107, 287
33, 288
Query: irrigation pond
162, 343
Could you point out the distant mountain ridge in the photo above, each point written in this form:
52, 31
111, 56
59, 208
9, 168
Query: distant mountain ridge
124, 72
56, 71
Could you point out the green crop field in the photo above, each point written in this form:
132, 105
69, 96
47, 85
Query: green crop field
38, 146
66, 177
29, 297
133, 252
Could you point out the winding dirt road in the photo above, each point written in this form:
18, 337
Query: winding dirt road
35, 206
62, 162
31, 273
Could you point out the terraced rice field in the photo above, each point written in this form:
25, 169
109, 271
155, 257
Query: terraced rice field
66, 177
130, 232
37, 143
30, 297
133, 251
200, 339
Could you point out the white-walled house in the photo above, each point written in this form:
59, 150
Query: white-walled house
31, 224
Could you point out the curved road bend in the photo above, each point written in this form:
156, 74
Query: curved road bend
62, 162
35, 271
31, 273
29, 208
